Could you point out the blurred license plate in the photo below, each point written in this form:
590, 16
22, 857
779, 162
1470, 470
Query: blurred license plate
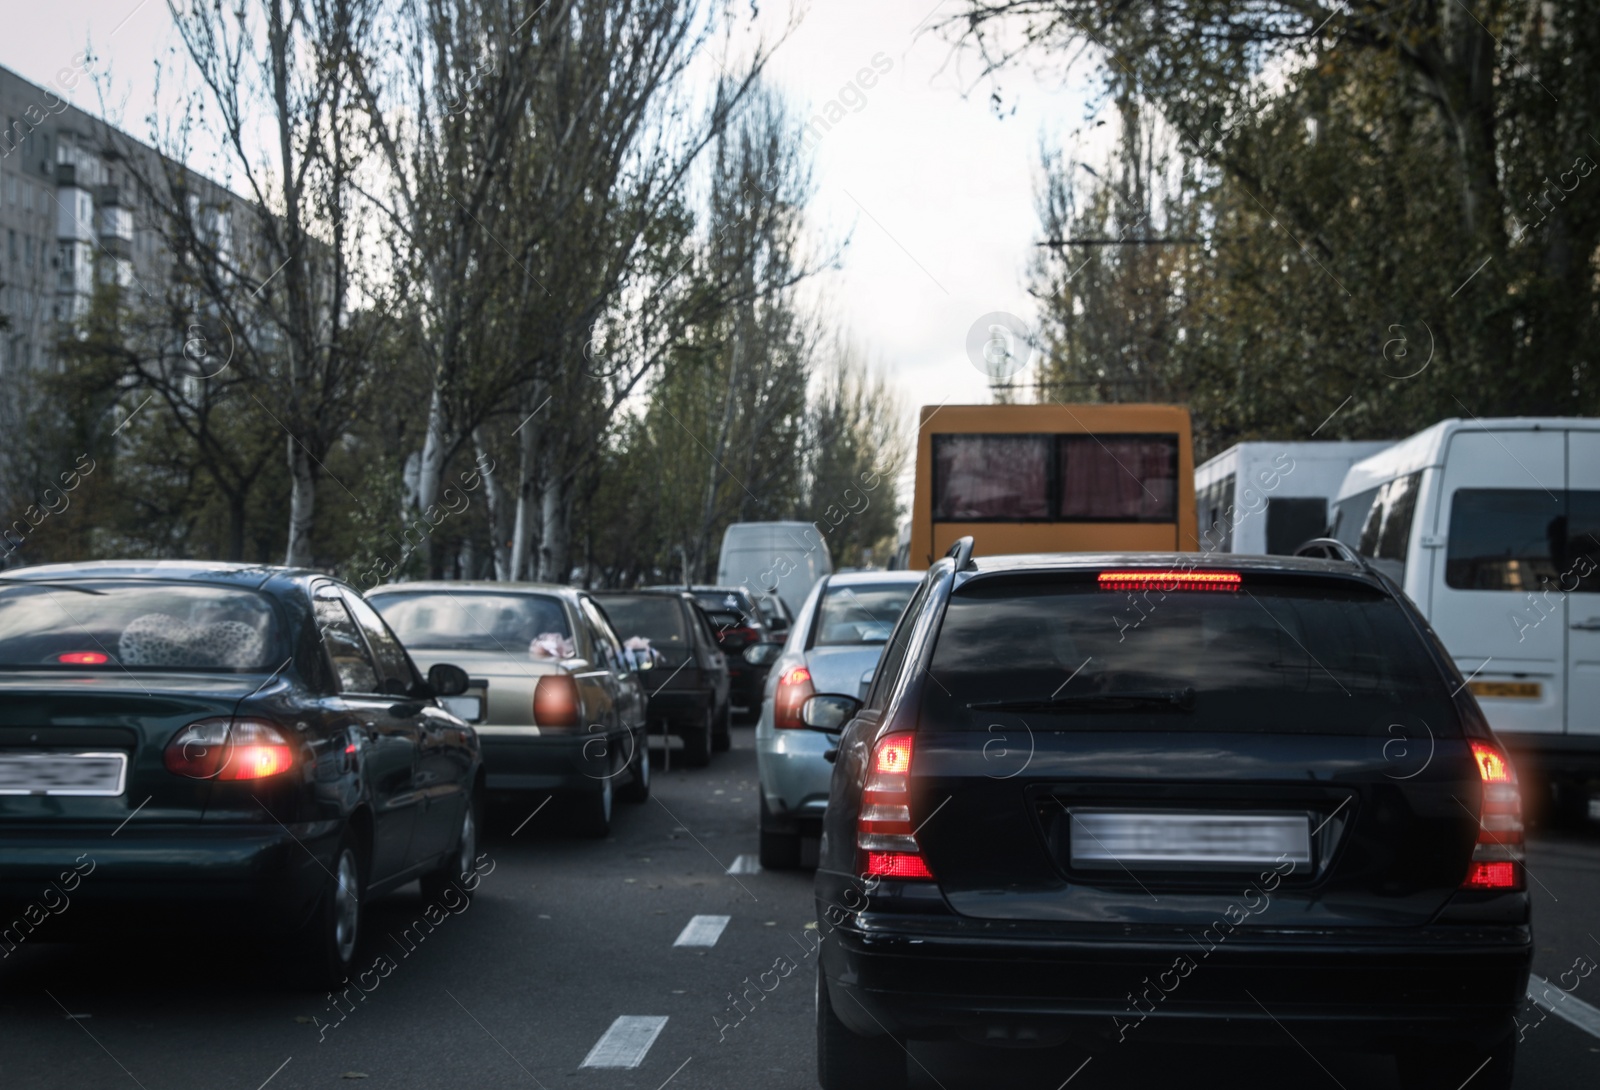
1517, 690
469, 708
1109, 839
62, 773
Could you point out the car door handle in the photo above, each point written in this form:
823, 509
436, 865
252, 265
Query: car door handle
1591, 625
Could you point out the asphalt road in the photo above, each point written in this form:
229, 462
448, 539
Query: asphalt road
568, 936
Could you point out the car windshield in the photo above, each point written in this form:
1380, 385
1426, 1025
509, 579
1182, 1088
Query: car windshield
658, 620
1272, 656
516, 624
138, 626
860, 612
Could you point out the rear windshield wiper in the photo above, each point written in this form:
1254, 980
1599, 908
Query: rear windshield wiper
1177, 700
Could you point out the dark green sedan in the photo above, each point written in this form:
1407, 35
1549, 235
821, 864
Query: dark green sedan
183, 742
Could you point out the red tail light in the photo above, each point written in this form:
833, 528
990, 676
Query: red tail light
884, 833
83, 658
224, 749
556, 703
794, 689
1497, 856
1166, 581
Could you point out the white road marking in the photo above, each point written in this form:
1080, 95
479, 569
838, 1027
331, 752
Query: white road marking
745, 864
1568, 1006
626, 1042
703, 931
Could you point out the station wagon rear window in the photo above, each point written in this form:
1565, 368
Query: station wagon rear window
137, 626
1272, 656
475, 620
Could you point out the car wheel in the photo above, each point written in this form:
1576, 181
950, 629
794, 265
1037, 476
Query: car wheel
780, 850
722, 736
328, 940
594, 810
1448, 1067
697, 743
460, 861
846, 1061
638, 788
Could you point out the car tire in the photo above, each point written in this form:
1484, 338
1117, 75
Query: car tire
1447, 1067
847, 1061
697, 742
779, 850
638, 787
327, 942
461, 860
592, 817
722, 735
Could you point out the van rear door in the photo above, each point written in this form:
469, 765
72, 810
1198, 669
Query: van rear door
1580, 578
1495, 603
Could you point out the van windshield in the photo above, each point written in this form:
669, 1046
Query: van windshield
1274, 656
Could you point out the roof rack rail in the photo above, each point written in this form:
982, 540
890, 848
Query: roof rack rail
961, 553
1330, 548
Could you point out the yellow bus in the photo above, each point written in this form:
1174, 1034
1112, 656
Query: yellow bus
1052, 478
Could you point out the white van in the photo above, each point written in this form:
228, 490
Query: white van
1493, 528
1271, 497
782, 558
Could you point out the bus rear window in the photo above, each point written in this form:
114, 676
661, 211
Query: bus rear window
1055, 478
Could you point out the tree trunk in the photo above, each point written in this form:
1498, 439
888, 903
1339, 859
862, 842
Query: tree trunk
302, 504
429, 468
521, 560
499, 516
554, 566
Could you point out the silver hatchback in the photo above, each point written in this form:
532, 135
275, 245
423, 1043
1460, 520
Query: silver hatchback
833, 647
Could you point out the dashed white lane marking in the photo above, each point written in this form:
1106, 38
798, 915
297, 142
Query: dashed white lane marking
1564, 1004
626, 1042
702, 931
745, 864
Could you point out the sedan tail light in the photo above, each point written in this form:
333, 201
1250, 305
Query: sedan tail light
794, 689
229, 749
883, 830
1497, 856
556, 703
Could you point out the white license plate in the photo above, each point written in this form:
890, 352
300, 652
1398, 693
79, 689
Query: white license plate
1110, 839
63, 773
469, 708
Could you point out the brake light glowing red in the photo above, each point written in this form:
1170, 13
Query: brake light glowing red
222, 749
885, 836
897, 865
1497, 855
1169, 580
83, 658
555, 701
794, 689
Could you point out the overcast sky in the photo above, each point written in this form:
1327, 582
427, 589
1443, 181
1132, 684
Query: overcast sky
933, 190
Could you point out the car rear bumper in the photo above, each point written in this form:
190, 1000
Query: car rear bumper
554, 762
681, 709
919, 984
795, 777
86, 879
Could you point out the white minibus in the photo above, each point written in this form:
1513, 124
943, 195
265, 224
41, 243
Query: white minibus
1493, 528
1271, 497
782, 558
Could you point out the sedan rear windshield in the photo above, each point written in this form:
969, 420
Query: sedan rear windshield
658, 620
86, 625
515, 624
1275, 656
859, 613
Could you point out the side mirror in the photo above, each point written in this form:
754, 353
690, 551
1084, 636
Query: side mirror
829, 712
763, 654
447, 680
